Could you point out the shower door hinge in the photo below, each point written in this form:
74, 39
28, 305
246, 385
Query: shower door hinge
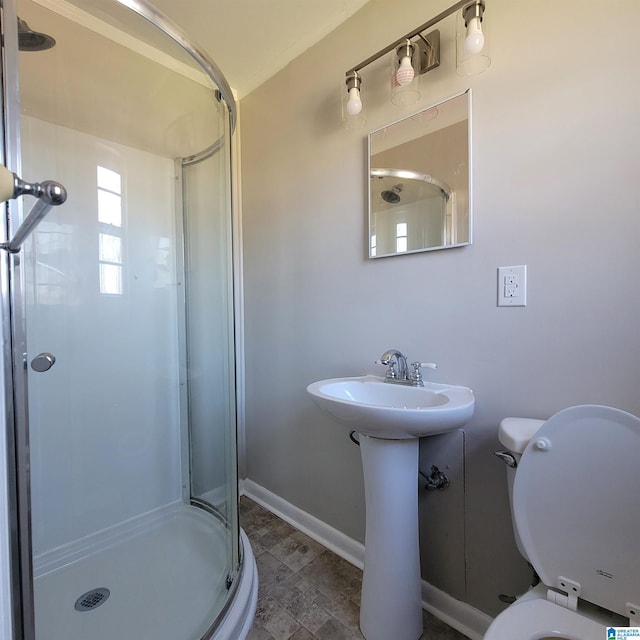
229, 581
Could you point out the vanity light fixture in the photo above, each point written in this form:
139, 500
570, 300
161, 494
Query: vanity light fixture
419, 52
354, 103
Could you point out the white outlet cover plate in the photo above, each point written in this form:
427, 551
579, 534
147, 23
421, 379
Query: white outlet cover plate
512, 286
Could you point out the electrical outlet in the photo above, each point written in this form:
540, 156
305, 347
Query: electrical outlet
511, 290
512, 286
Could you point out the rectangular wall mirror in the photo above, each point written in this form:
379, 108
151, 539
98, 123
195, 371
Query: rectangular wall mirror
420, 177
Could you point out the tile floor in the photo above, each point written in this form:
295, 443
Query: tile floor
306, 591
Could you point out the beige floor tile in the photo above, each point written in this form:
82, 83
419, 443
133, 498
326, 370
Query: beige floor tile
282, 625
310, 614
271, 570
303, 634
334, 630
258, 633
345, 611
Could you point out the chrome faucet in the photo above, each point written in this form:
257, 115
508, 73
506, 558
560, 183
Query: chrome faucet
393, 358
390, 359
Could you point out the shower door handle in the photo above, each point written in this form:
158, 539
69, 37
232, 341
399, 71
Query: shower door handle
43, 362
49, 194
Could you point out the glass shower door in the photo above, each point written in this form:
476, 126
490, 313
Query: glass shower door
128, 285
209, 324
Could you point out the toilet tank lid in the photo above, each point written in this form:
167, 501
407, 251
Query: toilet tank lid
515, 433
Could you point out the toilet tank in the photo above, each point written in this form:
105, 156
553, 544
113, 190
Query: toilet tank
514, 434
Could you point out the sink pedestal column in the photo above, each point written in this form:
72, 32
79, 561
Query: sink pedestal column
391, 606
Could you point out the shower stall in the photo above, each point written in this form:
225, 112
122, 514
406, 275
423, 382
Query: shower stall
119, 513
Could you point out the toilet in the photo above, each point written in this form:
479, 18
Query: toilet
574, 487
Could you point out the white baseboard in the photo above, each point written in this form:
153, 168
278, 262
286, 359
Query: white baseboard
336, 541
459, 615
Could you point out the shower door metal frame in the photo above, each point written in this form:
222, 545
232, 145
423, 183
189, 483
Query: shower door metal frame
237, 559
237, 563
180, 164
14, 350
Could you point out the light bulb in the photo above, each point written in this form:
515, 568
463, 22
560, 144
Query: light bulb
405, 72
474, 41
354, 103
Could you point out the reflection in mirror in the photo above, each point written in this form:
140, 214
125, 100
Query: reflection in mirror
419, 181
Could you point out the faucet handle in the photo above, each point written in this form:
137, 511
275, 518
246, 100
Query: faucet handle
391, 368
428, 365
416, 374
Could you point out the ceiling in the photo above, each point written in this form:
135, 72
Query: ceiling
251, 40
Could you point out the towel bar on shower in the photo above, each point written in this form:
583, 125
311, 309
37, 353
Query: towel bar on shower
49, 194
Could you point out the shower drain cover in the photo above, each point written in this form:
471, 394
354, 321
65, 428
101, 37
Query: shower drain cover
92, 599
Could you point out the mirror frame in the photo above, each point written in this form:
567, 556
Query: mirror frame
370, 167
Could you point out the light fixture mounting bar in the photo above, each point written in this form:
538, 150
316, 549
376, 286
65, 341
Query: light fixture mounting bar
427, 25
429, 47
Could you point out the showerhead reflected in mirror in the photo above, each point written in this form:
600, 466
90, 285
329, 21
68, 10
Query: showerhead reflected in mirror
30, 40
419, 181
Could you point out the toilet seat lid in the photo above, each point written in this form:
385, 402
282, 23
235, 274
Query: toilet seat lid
576, 504
538, 618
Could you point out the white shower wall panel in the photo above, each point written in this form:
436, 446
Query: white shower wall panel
105, 419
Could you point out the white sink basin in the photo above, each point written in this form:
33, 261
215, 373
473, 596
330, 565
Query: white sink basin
381, 409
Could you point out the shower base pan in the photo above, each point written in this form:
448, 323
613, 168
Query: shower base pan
164, 581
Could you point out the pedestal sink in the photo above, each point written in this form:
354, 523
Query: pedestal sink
390, 418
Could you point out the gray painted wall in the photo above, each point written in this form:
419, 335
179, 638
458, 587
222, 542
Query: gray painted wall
556, 151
